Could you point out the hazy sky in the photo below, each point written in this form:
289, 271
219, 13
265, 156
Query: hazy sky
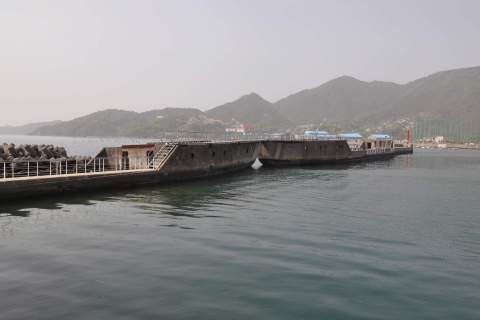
62, 59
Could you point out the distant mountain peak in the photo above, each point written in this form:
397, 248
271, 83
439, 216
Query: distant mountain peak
346, 78
253, 94
250, 109
253, 97
343, 80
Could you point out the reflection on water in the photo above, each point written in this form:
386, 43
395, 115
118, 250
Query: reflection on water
184, 198
23, 207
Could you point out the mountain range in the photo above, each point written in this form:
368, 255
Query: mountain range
344, 103
26, 128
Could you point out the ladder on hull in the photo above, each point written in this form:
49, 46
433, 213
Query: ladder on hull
162, 155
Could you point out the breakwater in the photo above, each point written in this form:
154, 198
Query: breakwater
134, 165
11, 152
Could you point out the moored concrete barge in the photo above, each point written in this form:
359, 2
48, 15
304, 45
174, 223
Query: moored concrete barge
128, 166
154, 163
333, 151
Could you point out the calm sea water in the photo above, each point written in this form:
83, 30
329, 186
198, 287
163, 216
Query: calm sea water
397, 239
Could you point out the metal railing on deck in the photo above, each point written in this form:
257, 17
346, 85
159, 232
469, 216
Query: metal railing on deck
378, 150
254, 138
56, 167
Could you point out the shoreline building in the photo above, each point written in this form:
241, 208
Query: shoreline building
355, 140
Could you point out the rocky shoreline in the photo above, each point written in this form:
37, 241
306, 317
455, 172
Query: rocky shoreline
28, 152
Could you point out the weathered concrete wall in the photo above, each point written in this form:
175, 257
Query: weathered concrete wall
278, 153
137, 156
111, 155
54, 185
403, 150
205, 159
305, 152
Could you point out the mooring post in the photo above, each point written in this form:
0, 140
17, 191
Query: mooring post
28, 168
37, 168
66, 166
76, 166
4, 170
50, 166
85, 168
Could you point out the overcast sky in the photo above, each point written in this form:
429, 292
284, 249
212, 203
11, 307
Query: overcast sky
63, 59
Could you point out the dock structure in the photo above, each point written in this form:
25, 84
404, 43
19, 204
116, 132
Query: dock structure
145, 164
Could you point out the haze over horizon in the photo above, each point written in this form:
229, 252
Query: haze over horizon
62, 60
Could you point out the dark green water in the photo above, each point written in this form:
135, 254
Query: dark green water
395, 239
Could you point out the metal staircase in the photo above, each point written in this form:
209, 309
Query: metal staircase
162, 155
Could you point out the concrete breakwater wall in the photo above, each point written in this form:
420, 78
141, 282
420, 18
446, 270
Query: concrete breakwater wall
185, 161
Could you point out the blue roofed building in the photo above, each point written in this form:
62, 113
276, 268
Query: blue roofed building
380, 136
317, 134
379, 143
350, 135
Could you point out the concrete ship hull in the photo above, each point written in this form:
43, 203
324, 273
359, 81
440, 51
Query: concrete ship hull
191, 161
319, 152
